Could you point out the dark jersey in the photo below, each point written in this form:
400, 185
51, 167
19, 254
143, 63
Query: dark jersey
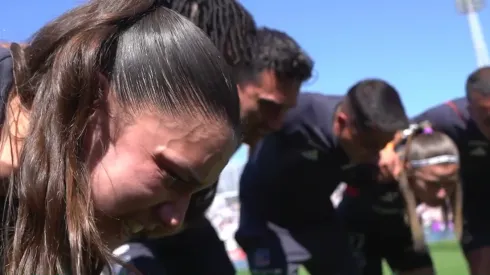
200, 202
454, 120
291, 174
6, 79
373, 203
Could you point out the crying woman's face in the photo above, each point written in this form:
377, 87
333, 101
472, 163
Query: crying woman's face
433, 184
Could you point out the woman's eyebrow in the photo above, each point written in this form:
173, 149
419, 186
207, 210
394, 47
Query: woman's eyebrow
180, 168
193, 178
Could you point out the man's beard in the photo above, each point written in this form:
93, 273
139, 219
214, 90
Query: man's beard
253, 130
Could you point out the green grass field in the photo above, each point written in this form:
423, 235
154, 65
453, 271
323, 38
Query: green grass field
446, 255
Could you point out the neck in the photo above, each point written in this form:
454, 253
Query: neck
12, 136
335, 122
251, 140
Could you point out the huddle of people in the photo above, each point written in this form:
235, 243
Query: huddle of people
116, 126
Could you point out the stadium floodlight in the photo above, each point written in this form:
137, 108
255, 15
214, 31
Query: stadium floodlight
470, 8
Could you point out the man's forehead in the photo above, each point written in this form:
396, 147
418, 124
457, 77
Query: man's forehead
283, 85
279, 98
481, 101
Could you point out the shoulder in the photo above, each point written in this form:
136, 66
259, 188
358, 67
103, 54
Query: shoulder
6, 78
312, 106
447, 117
6, 70
312, 118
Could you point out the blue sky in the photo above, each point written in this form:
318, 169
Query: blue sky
422, 47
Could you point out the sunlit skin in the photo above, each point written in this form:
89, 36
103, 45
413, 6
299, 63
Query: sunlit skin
143, 174
150, 167
360, 146
264, 104
433, 184
14, 131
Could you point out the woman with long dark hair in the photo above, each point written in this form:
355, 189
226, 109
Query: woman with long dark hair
118, 112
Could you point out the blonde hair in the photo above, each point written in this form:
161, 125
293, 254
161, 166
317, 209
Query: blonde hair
419, 146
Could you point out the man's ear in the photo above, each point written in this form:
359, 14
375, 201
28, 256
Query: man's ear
339, 123
341, 118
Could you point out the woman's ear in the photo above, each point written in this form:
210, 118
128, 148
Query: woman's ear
99, 123
104, 89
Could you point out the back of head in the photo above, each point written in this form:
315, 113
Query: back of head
376, 104
153, 59
227, 23
478, 81
278, 52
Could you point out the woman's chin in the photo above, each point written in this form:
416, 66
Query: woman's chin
160, 233
434, 203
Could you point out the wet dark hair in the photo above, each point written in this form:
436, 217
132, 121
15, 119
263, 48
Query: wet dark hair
478, 81
374, 103
227, 23
418, 146
276, 51
154, 60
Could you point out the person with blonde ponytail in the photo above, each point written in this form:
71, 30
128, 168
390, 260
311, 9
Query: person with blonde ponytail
101, 139
467, 121
381, 216
286, 216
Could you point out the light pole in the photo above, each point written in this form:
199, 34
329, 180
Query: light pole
470, 8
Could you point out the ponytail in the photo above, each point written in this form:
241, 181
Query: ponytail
54, 228
456, 203
420, 146
416, 229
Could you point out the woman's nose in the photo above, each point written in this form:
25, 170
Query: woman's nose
441, 194
173, 213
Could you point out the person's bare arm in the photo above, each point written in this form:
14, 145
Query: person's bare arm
389, 162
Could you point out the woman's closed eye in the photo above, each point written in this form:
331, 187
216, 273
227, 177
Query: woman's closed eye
438, 185
173, 182
176, 177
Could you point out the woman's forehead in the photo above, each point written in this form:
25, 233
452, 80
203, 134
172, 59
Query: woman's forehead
438, 172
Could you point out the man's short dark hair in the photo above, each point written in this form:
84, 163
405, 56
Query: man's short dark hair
227, 23
275, 50
374, 103
479, 81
